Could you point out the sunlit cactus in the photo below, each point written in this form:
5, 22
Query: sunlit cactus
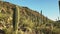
41, 16
15, 20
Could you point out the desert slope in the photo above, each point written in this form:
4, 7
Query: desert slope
31, 22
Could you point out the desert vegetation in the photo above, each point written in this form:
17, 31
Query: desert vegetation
30, 21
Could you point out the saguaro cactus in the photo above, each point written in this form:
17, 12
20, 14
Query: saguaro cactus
15, 20
59, 8
41, 17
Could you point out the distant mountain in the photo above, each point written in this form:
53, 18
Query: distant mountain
29, 19
58, 21
8, 8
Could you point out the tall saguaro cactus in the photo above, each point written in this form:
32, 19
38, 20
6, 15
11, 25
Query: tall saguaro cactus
59, 8
15, 20
41, 16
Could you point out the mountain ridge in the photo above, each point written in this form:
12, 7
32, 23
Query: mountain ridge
12, 6
29, 20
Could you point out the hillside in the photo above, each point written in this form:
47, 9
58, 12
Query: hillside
31, 21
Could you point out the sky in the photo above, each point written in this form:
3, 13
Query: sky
50, 8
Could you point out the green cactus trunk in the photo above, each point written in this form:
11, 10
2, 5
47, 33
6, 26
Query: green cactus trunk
41, 16
15, 20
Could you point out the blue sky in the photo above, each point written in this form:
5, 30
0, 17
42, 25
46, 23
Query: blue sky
50, 8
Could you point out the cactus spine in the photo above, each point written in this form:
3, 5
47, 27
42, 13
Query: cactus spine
15, 20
